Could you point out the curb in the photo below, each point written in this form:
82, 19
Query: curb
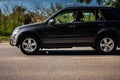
4, 43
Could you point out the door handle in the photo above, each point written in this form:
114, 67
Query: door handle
102, 24
72, 26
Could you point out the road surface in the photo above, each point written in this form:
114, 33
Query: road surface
76, 64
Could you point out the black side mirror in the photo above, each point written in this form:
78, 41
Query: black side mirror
51, 22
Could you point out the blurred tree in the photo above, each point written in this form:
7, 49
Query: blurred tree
17, 15
86, 1
114, 3
46, 12
1, 21
12, 18
28, 17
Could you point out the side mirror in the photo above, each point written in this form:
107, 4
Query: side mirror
51, 22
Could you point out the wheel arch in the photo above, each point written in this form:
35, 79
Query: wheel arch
26, 34
108, 32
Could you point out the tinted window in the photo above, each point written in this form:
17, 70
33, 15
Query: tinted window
117, 13
87, 16
99, 16
108, 14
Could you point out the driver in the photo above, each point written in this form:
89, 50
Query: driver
78, 17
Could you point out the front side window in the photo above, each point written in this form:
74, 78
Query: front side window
66, 17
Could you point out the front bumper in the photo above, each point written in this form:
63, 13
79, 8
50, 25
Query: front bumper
12, 40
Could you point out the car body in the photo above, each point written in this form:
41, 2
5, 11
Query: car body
98, 27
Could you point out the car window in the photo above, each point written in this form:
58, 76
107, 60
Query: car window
108, 15
66, 17
87, 16
99, 16
116, 12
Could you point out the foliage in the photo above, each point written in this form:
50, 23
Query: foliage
46, 12
86, 1
20, 15
4, 39
99, 2
114, 3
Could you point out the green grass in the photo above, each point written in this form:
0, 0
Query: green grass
4, 39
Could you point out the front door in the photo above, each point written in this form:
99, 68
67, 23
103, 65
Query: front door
61, 33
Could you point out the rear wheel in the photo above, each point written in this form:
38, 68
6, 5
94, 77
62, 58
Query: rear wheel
106, 44
29, 45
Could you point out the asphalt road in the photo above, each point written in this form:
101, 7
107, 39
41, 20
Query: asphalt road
76, 64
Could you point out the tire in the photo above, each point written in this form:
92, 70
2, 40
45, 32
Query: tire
93, 47
29, 45
106, 45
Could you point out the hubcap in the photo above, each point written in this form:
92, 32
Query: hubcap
29, 45
107, 44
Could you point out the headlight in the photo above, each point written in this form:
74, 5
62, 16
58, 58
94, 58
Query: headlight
15, 31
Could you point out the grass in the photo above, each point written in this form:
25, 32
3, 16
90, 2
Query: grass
4, 39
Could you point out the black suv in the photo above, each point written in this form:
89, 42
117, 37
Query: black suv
98, 27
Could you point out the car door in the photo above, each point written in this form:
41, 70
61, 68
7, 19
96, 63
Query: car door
61, 33
87, 28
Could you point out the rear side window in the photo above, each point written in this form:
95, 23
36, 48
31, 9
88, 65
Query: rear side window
89, 16
99, 16
86, 16
109, 14
117, 13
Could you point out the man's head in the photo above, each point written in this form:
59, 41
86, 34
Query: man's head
77, 16
74, 15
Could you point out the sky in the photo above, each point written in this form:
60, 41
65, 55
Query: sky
44, 3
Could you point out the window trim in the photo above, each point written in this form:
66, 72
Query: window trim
101, 15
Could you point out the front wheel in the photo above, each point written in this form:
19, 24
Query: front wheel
106, 44
29, 45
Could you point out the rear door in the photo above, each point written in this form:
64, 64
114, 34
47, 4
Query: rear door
88, 26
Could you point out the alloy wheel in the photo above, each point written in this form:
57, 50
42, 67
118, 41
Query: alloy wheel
107, 44
29, 45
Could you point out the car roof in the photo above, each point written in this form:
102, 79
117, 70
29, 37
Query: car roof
88, 7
